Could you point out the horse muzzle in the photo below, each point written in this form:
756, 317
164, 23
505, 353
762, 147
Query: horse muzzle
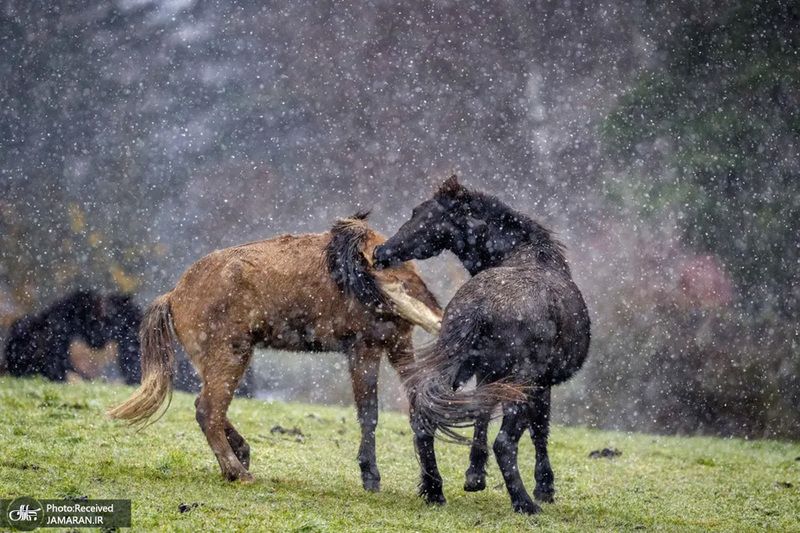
381, 258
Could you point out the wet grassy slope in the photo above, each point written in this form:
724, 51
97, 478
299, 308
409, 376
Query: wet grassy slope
55, 442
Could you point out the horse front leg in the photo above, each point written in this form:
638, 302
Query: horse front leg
401, 357
430, 482
516, 420
364, 363
478, 455
540, 429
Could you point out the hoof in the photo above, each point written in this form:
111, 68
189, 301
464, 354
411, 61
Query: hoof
372, 485
247, 479
435, 499
526, 506
475, 482
544, 496
370, 477
243, 476
432, 493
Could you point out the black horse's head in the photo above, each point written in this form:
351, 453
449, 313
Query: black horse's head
442, 223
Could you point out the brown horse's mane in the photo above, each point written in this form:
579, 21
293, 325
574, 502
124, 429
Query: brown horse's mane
511, 225
349, 266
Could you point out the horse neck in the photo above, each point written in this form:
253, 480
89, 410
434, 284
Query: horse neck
547, 255
514, 250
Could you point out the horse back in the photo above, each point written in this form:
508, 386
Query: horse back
277, 292
533, 322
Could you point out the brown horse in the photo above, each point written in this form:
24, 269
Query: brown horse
315, 292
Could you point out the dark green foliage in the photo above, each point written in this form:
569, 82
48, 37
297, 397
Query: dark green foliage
717, 128
709, 138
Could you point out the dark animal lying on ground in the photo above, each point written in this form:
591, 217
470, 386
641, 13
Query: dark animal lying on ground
40, 343
520, 320
43, 343
313, 292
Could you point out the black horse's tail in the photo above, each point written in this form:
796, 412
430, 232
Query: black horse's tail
349, 266
434, 383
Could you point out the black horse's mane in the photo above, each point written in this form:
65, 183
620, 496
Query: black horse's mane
516, 227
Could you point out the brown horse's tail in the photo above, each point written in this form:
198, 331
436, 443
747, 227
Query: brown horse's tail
435, 380
158, 365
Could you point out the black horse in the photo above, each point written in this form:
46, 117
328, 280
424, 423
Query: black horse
39, 343
520, 320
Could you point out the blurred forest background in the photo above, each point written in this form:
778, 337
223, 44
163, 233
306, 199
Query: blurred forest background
659, 139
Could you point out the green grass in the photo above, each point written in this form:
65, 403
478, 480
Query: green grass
55, 442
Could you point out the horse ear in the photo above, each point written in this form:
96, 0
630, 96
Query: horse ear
451, 187
451, 193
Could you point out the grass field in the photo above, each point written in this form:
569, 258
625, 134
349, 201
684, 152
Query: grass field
55, 442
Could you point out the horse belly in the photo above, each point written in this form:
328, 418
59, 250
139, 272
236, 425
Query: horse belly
302, 331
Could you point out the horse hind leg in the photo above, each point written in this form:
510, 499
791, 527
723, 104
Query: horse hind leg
220, 379
515, 421
540, 429
430, 482
240, 447
229, 447
478, 455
